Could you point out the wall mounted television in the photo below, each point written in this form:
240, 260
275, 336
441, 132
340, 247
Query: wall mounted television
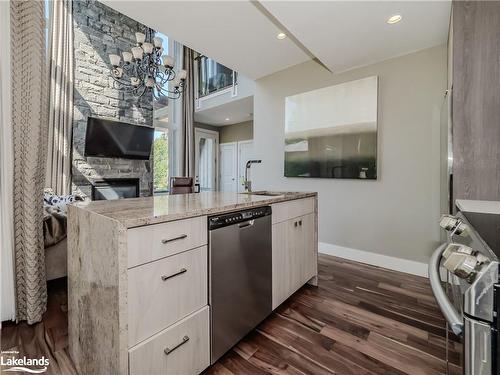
114, 139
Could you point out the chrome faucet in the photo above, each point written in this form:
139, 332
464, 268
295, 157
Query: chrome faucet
247, 183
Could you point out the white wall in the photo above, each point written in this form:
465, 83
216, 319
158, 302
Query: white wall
242, 131
397, 215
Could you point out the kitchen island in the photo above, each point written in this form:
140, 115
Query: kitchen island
138, 279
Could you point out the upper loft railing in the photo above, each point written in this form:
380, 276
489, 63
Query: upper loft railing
214, 77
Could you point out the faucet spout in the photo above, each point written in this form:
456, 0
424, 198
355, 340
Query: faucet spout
248, 183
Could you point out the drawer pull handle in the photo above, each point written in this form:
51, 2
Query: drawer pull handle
185, 339
181, 237
181, 271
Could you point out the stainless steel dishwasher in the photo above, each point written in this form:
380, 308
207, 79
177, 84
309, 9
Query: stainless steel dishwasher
240, 274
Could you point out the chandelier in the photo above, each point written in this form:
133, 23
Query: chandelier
145, 69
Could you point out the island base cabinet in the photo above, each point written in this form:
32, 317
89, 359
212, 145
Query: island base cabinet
294, 256
138, 278
182, 349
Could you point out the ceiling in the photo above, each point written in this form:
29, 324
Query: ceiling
236, 111
348, 34
235, 33
341, 34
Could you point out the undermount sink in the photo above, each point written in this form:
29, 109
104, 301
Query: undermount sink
263, 192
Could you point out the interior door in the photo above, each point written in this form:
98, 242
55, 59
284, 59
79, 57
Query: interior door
245, 153
228, 166
205, 161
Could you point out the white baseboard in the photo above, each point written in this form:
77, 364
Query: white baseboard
385, 261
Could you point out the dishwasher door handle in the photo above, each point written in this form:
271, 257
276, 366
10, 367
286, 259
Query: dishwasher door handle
246, 224
450, 313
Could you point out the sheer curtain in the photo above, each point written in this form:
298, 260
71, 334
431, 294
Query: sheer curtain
7, 297
29, 123
60, 53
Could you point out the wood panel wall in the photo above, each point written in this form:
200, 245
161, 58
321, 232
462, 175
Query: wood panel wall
476, 100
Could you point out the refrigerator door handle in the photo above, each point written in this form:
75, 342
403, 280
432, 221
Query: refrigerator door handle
453, 318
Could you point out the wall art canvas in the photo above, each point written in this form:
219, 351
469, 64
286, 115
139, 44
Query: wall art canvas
332, 132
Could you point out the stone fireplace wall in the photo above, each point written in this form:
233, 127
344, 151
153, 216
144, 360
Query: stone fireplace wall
99, 31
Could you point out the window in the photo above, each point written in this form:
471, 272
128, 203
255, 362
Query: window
160, 106
160, 161
213, 76
163, 121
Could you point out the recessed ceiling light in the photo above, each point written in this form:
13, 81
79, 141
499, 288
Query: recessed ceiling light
281, 36
227, 118
394, 19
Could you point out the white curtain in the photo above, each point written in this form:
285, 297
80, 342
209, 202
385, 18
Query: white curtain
7, 298
29, 103
60, 53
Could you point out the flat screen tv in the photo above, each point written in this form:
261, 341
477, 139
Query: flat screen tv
113, 139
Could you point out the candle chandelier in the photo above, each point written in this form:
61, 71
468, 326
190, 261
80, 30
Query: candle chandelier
145, 69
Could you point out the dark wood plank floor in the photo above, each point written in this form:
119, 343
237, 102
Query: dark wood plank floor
48, 338
359, 320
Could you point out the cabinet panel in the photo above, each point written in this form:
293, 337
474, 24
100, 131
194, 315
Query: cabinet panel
157, 241
476, 93
309, 251
164, 291
281, 263
180, 349
292, 209
294, 256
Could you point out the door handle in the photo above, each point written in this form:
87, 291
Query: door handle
185, 339
454, 319
246, 224
181, 237
181, 271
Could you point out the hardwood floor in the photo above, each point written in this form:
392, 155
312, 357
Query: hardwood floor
359, 320
48, 338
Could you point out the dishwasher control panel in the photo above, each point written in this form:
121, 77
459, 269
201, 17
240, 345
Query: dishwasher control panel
220, 221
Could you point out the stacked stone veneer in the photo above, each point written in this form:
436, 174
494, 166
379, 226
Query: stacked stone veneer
99, 31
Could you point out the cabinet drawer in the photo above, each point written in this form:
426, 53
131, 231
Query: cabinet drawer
292, 209
152, 242
187, 345
162, 292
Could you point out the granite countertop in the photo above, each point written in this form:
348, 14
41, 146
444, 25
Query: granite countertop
135, 212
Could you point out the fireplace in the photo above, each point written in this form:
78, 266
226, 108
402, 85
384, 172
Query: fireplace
115, 188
